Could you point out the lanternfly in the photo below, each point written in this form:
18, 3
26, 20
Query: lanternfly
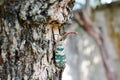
60, 57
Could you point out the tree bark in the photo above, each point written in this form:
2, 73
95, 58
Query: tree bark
27, 38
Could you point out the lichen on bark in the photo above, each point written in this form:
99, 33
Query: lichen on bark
27, 45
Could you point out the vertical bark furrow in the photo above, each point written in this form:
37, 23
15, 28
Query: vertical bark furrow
26, 42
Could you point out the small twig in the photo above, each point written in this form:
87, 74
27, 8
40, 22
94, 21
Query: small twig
65, 35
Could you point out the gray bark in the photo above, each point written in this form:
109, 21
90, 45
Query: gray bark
27, 40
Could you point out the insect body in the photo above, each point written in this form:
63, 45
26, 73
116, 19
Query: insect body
60, 57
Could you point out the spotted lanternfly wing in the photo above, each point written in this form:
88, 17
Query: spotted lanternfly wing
60, 57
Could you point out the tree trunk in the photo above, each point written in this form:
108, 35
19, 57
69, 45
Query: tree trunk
27, 38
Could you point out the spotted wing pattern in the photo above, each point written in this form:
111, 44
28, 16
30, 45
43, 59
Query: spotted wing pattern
60, 57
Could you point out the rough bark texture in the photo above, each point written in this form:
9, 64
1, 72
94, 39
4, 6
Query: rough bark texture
27, 40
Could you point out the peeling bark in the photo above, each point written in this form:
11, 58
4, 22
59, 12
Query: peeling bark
27, 28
